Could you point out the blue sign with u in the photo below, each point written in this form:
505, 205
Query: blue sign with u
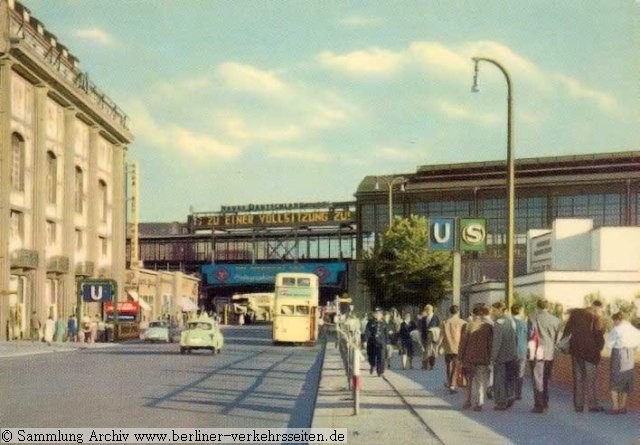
442, 234
97, 292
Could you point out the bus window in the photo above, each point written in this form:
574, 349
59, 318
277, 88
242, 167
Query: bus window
302, 310
286, 309
304, 282
288, 281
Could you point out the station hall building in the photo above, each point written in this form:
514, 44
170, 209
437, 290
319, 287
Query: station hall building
604, 188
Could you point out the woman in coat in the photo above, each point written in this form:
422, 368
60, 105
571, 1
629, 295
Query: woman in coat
405, 345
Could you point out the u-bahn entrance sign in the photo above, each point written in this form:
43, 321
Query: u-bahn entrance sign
457, 234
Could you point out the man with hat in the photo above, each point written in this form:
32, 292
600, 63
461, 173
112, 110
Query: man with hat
376, 337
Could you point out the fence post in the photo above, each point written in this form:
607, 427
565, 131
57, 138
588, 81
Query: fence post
356, 382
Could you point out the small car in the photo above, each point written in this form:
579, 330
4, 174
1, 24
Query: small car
203, 333
158, 331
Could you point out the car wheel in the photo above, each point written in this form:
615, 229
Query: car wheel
213, 351
182, 350
219, 351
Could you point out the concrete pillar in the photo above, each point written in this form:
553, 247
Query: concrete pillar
118, 228
5, 187
69, 298
92, 202
39, 184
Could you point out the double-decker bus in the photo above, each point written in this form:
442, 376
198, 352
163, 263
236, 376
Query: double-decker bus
295, 315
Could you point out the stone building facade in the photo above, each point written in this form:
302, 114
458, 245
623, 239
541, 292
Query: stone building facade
62, 176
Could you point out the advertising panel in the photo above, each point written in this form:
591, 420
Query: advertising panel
234, 274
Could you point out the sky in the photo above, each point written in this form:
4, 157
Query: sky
272, 101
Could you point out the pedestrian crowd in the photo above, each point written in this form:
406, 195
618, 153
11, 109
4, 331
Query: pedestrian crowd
90, 330
489, 352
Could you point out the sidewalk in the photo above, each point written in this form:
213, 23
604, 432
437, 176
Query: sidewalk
26, 347
413, 405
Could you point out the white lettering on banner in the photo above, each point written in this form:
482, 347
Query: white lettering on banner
473, 234
438, 235
173, 435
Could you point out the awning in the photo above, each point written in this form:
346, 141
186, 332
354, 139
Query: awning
187, 305
135, 297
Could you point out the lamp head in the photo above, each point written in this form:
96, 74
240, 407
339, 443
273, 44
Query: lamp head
403, 185
474, 88
377, 184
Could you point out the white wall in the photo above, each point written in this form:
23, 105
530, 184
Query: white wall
616, 249
571, 244
570, 288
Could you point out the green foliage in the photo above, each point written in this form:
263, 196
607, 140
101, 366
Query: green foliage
400, 270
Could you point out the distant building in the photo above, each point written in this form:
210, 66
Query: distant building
571, 261
61, 175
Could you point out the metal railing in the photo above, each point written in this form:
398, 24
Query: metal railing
348, 341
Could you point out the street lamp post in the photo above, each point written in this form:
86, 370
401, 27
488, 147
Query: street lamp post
510, 173
390, 181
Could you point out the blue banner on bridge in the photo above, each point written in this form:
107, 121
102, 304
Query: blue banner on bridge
236, 274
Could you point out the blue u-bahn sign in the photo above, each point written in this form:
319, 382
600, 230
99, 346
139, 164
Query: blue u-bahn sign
238, 274
98, 291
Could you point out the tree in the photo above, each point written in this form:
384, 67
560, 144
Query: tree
400, 270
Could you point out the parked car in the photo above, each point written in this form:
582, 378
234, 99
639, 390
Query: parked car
203, 333
158, 331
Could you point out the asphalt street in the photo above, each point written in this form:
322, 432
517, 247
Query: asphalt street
251, 384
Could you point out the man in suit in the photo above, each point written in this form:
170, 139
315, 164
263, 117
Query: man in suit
451, 333
585, 346
430, 330
504, 356
543, 326
376, 337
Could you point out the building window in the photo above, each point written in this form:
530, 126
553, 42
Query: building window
17, 162
52, 177
16, 231
51, 233
79, 201
103, 200
104, 246
79, 240
603, 208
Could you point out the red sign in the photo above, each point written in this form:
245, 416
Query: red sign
124, 307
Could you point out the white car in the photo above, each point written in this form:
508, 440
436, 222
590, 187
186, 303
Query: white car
158, 331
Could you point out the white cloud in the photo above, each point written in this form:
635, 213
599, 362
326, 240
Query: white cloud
372, 61
250, 79
578, 90
181, 88
237, 128
397, 153
97, 35
310, 155
455, 62
461, 112
178, 138
359, 21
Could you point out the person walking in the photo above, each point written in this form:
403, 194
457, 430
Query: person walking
586, 328
405, 344
49, 330
377, 337
391, 328
521, 347
451, 334
503, 356
542, 331
61, 330
430, 329
72, 328
102, 329
35, 327
475, 354
623, 340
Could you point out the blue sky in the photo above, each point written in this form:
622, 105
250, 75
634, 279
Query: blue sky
238, 101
